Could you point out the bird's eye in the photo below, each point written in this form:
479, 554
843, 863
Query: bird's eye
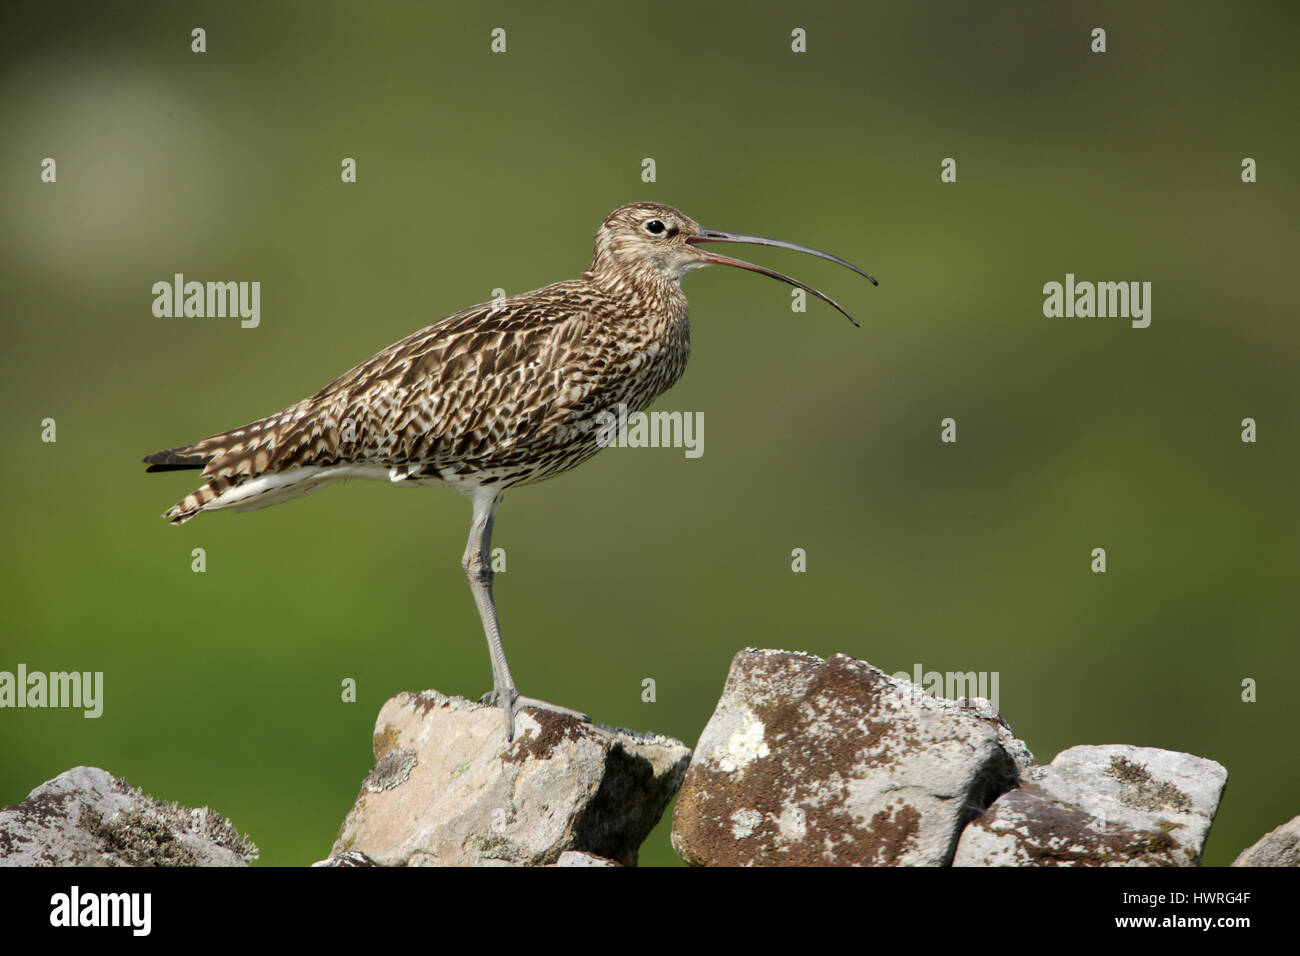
654, 227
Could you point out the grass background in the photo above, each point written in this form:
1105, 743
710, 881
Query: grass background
479, 171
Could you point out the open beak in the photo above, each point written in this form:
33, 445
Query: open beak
712, 258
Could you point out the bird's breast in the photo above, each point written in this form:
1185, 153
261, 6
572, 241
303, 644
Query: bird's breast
655, 358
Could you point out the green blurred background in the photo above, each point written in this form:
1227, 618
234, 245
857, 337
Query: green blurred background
479, 171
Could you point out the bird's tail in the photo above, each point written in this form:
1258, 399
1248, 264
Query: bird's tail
234, 459
186, 458
196, 501
176, 459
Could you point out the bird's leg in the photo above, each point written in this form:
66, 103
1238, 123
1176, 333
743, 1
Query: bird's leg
477, 565
478, 569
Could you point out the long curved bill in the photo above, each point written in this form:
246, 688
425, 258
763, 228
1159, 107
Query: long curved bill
715, 235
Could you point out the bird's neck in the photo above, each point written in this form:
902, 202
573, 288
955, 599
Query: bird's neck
645, 290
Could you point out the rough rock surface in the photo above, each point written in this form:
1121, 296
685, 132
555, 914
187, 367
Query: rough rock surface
574, 858
1101, 806
1280, 847
348, 859
811, 762
88, 817
447, 789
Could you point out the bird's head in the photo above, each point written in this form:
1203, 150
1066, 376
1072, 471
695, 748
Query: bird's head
650, 242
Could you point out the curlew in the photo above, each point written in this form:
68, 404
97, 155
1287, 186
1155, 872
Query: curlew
503, 394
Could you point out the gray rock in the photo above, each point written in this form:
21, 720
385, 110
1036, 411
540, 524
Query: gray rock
983, 709
447, 789
1280, 847
1111, 805
574, 858
88, 817
349, 859
811, 762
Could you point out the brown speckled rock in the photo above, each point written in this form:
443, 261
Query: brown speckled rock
447, 789
1101, 806
811, 762
1280, 847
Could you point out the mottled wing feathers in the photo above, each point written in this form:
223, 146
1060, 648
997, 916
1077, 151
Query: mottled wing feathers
490, 388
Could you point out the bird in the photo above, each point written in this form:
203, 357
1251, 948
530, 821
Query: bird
503, 394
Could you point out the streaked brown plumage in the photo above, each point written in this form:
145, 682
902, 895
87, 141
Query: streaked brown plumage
501, 394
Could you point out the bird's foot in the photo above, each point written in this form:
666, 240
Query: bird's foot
511, 702
553, 708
